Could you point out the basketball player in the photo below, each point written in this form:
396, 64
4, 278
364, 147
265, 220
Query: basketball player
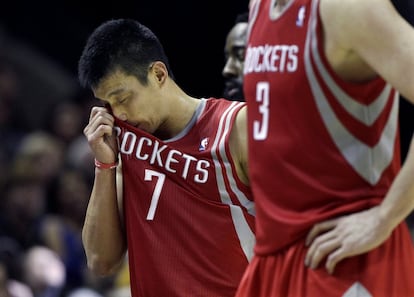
234, 51
186, 212
322, 83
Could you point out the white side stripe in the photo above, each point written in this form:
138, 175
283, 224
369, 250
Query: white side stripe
369, 162
243, 230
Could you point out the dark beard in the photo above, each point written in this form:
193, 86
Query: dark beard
233, 90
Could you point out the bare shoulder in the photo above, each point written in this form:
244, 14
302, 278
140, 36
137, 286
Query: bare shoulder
241, 117
347, 8
240, 125
370, 34
238, 144
351, 20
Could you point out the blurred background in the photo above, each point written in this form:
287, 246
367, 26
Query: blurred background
192, 32
46, 169
46, 38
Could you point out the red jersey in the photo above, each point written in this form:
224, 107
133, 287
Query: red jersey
319, 147
189, 219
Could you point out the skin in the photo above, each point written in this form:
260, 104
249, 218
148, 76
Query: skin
376, 42
234, 51
160, 108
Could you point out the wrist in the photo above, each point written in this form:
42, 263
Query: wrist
101, 165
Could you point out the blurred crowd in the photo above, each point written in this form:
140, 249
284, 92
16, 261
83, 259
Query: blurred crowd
46, 172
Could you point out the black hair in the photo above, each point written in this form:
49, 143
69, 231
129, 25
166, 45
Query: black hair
121, 44
242, 17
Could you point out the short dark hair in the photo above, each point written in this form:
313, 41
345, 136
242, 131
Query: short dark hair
121, 44
242, 17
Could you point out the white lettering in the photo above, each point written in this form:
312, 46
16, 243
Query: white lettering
201, 167
160, 155
271, 58
170, 159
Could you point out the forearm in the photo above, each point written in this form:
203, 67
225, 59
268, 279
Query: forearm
399, 201
102, 234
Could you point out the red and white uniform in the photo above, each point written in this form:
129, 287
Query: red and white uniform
189, 219
319, 147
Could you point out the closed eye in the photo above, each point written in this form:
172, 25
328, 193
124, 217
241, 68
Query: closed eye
123, 100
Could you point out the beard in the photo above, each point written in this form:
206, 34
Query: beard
233, 89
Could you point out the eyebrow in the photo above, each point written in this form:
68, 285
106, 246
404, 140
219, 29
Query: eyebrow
112, 93
116, 92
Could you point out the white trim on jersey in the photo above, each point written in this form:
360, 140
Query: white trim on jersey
244, 232
369, 162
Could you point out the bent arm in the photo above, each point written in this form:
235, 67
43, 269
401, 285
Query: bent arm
376, 32
379, 41
102, 234
399, 201
363, 231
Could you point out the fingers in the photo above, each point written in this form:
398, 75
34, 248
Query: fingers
334, 259
100, 124
101, 114
323, 242
99, 110
345, 237
320, 228
321, 247
99, 133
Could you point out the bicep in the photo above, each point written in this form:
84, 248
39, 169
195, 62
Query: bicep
239, 145
374, 30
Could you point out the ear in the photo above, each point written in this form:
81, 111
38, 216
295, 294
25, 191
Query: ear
160, 71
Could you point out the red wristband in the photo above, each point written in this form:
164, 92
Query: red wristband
101, 165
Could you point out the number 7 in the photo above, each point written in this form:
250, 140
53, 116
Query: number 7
149, 174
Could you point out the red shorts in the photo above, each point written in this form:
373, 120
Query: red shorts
387, 271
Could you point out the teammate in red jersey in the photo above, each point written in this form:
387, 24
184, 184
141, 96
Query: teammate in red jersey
186, 213
322, 82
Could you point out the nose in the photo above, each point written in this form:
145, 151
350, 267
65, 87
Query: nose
230, 69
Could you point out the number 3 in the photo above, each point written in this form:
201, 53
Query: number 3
261, 127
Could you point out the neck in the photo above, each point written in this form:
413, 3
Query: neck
278, 7
281, 3
179, 112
